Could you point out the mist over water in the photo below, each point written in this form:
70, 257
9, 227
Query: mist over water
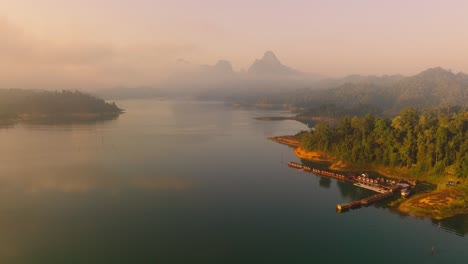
191, 182
180, 169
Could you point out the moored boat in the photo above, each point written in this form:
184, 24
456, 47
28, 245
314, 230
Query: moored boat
405, 192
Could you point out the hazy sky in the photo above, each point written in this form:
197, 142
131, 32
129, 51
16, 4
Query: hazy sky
74, 44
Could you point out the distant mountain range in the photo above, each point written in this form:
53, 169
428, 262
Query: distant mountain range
220, 81
270, 65
432, 88
267, 67
270, 83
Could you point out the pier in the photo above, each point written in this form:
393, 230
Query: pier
317, 171
384, 188
363, 202
378, 189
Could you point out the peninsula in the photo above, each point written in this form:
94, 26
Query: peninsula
428, 146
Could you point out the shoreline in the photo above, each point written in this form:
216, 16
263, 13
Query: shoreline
47, 117
437, 204
26, 116
317, 156
298, 118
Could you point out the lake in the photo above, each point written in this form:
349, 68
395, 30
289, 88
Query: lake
191, 182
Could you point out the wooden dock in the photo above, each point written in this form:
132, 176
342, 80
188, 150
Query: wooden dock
384, 190
375, 188
325, 173
364, 202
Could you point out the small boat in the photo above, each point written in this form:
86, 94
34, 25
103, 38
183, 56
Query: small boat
405, 192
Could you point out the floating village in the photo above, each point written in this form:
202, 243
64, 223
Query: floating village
385, 188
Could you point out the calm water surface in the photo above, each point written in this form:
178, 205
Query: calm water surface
191, 182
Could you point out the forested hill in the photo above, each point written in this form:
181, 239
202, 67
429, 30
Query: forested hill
386, 95
15, 103
426, 143
432, 88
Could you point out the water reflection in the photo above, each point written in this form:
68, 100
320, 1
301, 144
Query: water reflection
325, 182
457, 225
60, 121
8, 123
92, 183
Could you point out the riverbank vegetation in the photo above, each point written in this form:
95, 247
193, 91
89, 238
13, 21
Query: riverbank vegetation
439, 204
429, 146
426, 145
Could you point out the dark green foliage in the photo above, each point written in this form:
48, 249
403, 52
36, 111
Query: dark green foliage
16, 102
430, 141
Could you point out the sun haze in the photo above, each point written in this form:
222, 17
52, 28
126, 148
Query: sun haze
77, 44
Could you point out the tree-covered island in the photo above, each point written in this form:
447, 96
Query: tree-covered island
18, 105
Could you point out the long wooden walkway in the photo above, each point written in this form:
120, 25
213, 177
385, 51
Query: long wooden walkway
317, 171
378, 189
364, 202
383, 191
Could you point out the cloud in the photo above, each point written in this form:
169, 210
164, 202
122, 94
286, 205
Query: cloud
14, 42
31, 61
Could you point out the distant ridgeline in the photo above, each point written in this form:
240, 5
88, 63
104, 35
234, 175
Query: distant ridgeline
382, 96
432, 142
30, 104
